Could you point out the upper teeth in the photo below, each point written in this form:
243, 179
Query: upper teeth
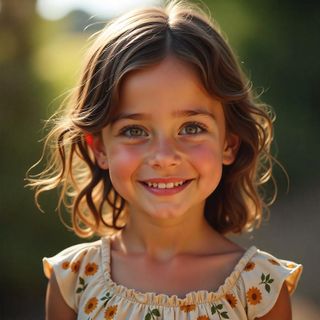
164, 185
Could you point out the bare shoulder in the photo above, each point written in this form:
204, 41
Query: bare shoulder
282, 308
56, 307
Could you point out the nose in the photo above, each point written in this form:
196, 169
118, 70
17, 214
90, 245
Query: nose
164, 154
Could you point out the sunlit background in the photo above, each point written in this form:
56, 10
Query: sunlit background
58, 9
42, 44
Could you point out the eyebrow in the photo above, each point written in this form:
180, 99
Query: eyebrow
175, 114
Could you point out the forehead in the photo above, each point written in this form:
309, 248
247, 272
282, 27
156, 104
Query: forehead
170, 83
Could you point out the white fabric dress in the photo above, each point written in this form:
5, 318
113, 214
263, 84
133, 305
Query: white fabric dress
250, 291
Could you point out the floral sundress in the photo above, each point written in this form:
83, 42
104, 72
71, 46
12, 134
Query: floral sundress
250, 291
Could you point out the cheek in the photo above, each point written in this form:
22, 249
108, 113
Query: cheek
206, 158
207, 162
123, 161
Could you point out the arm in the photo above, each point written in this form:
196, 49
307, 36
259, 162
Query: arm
281, 309
56, 307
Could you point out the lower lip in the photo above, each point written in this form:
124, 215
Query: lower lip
166, 192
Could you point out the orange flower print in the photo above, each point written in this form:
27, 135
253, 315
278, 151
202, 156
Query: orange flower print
249, 266
188, 307
91, 269
110, 312
274, 262
75, 266
65, 265
90, 305
231, 298
254, 296
203, 318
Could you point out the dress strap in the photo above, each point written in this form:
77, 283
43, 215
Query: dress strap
106, 256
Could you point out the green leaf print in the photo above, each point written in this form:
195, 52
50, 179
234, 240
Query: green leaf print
152, 314
156, 312
266, 280
106, 298
224, 315
218, 309
268, 288
82, 285
213, 309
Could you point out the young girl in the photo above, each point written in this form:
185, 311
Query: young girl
164, 145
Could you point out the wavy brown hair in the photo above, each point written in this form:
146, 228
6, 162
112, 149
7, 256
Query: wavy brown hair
138, 40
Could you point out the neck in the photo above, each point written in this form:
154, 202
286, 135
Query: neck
161, 240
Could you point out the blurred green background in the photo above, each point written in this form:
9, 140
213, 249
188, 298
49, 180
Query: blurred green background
278, 45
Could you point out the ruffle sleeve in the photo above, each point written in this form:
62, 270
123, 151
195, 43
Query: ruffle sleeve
263, 277
70, 267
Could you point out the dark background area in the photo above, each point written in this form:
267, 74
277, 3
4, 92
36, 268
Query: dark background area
278, 44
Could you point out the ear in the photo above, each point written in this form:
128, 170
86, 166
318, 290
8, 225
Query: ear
98, 149
231, 146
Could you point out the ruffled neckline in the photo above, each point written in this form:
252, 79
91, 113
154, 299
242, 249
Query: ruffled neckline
152, 298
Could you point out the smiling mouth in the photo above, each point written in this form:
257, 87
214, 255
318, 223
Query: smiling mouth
165, 185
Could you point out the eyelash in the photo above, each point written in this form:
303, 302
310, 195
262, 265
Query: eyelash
124, 131
194, 124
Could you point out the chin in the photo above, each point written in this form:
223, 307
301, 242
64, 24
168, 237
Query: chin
166, 213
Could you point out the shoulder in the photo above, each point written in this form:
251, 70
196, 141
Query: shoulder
56, 307
72, 259
282, 307
74, 270
267, 283
72, 253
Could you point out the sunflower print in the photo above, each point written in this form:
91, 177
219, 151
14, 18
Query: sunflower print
65, 265
249, 266
90, 305
232, 300
188, 307
91, 269
111, 312
203, 318
75, 266
254, 296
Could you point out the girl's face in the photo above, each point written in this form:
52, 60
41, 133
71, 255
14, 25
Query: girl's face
167, 146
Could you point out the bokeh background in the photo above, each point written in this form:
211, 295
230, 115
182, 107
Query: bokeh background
41, 48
